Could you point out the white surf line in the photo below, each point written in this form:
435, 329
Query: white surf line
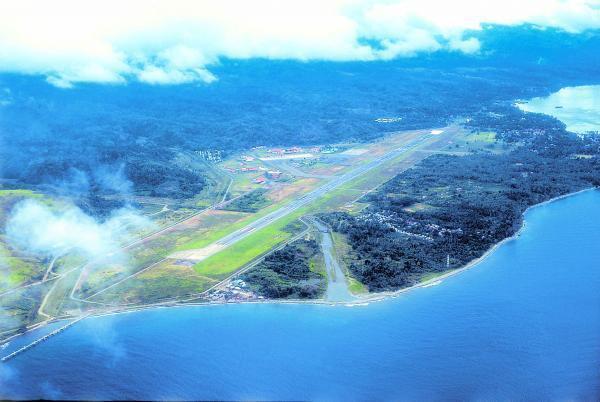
285, 210
188, 298
268, 219
360, 301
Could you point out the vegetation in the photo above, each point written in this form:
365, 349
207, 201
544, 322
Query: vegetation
287, 273
15, 267
249, 202
102, 146
167, 280
142, 130
457, 207
254, 245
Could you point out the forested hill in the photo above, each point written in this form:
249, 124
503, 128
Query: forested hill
449, 210
46, 132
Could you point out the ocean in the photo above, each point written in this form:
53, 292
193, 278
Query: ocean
524, 324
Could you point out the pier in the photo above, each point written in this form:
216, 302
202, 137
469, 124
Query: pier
42, 339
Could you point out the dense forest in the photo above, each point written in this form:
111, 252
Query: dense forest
287, 274
449, 210
47, 133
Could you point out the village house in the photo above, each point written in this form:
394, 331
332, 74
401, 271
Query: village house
273, 174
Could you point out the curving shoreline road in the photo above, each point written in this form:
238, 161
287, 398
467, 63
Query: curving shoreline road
357, 301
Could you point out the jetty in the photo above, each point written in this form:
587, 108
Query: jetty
42, 339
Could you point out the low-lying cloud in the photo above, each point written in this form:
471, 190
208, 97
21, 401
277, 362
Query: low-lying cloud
105, 179
176, 41
36, 228
113, 179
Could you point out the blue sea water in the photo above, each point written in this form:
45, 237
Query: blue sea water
522, 325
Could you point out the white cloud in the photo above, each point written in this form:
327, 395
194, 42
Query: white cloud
36, 228
158, 75
176, 65
171, 42
468, 46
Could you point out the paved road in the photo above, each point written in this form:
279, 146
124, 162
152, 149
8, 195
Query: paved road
294, 171
337, 285
295, 205
260, 223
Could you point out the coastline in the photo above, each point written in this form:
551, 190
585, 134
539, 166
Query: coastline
361, 300
473, 263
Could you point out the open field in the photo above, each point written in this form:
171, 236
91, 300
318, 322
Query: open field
17, 268
215, 255
224, 259
165, 280
225, 262
195, 249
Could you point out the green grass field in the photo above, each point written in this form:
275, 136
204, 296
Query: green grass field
356, 287
20, 193
483, 141
16, 269
255, 245
484, 136
224, 228
226, 262
241, 253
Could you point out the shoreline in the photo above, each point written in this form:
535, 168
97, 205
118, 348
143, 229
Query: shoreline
360, 300
473, 263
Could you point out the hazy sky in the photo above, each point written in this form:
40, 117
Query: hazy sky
175, 41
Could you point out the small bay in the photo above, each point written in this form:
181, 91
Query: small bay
577, 107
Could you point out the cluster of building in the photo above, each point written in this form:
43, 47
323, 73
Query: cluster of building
244, 168
291, 150
393, 221
236, 290
388, 119
211, 155
246, 165
269, 174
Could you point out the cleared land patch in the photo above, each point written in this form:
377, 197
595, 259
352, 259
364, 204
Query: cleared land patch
166, 280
